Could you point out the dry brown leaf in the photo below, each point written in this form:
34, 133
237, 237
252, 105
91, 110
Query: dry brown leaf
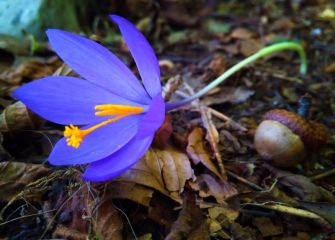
231, 48
267, 227
132, 191
30, 70
164, 170
197, 151
330, 68
15, 176
212, 136
249, 46
190, 220
68, 233
229, 213
108, 224
241, 33
218, 65
283, 24
172, 166
229, 94
17, 117
208, 186
301, 186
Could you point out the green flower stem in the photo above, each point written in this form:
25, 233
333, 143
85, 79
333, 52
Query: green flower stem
261, 53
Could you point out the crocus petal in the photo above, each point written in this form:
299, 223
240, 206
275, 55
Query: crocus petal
97, 145
142, 53
152, 119
97, 64
66, 100
119, 161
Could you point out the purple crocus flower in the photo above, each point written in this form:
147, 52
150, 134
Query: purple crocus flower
119, 115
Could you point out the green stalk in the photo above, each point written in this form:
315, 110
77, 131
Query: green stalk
261, 53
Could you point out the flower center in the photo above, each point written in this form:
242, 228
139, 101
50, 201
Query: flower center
74, 136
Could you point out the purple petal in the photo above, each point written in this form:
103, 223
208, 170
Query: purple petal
152, 119
97, 64
96, 145
142, 53
118, 162
66, 100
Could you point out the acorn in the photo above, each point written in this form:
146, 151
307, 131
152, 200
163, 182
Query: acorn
285, 138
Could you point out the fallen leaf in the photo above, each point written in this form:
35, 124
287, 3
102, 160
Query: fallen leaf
282, 24
31, 69
229, 94
249, 46
197, 151
330, 68
241, 33
324, 209
17, 176
17, 117
190, 219
301, 186
212, 136
208, 186
229, 213
132, 191
172, 165
164, 170
267, 227
218, 65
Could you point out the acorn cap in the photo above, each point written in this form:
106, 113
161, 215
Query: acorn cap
313, 135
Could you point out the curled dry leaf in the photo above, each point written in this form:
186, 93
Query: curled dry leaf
132, 191
197, 151
172, 166
16, 176
212, 136
301, 186
17, 117
164, 170
30, 70
208, 186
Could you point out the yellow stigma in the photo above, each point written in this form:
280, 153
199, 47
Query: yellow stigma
74, 136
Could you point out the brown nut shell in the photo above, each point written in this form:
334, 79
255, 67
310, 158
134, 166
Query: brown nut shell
312, 134
278, 144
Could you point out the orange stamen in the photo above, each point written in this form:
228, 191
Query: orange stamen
74, 135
